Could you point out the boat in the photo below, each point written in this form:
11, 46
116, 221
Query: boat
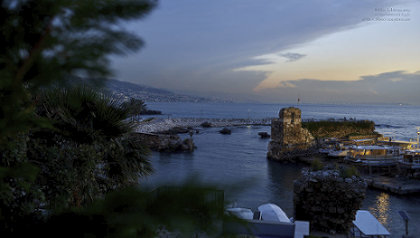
265, 212
374, 155
366, 225
410, 164
411, 156
411, 159
272, 212
243, 213
269, 220
338, 153
328, 145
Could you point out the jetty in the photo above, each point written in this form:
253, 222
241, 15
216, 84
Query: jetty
401, 185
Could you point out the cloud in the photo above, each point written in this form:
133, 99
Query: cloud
379, 88
292, 56
196, 46
286, 85
187, 41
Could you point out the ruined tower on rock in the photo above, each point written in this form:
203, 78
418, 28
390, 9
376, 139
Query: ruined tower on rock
288, 139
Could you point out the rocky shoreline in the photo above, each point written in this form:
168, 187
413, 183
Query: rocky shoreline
161, 134
158, 125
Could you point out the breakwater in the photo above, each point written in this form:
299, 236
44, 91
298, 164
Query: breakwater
154, 125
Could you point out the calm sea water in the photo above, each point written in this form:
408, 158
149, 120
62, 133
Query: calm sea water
240, 158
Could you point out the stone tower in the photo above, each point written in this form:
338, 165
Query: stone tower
288, 139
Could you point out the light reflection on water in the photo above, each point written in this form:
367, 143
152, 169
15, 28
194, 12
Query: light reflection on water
381, 209
385, 207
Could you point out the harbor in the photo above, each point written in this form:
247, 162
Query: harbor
241, 158
392, 166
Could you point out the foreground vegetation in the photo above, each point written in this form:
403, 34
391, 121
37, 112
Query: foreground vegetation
67, 168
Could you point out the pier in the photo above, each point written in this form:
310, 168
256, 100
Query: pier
397, 185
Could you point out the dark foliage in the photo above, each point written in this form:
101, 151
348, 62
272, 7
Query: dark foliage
332, 128
62, 151
83, 115
45, 42
136, 107
187, 210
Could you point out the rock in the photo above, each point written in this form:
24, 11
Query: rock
206, 124
225, 131
187, 145
163, 142
327, 201
176, 130
263, 134
288, 139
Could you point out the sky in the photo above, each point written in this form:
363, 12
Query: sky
271, 51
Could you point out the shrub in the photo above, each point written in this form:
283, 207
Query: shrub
348, 172
316, 165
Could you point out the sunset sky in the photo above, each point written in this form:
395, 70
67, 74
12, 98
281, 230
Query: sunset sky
322, 51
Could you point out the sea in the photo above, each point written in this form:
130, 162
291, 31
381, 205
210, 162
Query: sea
237, 163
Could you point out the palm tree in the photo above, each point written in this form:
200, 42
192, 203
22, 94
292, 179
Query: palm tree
135, 107
82, 114
87, 149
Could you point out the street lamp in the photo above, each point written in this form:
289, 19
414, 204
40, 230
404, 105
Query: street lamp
418, 133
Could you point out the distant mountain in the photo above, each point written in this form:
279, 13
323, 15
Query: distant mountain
126, 90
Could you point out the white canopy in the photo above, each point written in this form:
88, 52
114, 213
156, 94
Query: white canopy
243, 213
370, 147
272, 212
368, 224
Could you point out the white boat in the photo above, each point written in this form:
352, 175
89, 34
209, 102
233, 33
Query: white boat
244, 213
366, 225
374, 155
338, 153
272, 212
268, 221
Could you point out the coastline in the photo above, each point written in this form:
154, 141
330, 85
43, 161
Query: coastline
393, 185
157, 125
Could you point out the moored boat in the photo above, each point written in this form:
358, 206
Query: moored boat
272, 212
411, 159
374, 155
268, 221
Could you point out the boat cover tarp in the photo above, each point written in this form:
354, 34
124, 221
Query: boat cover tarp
272, 212
368, 224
